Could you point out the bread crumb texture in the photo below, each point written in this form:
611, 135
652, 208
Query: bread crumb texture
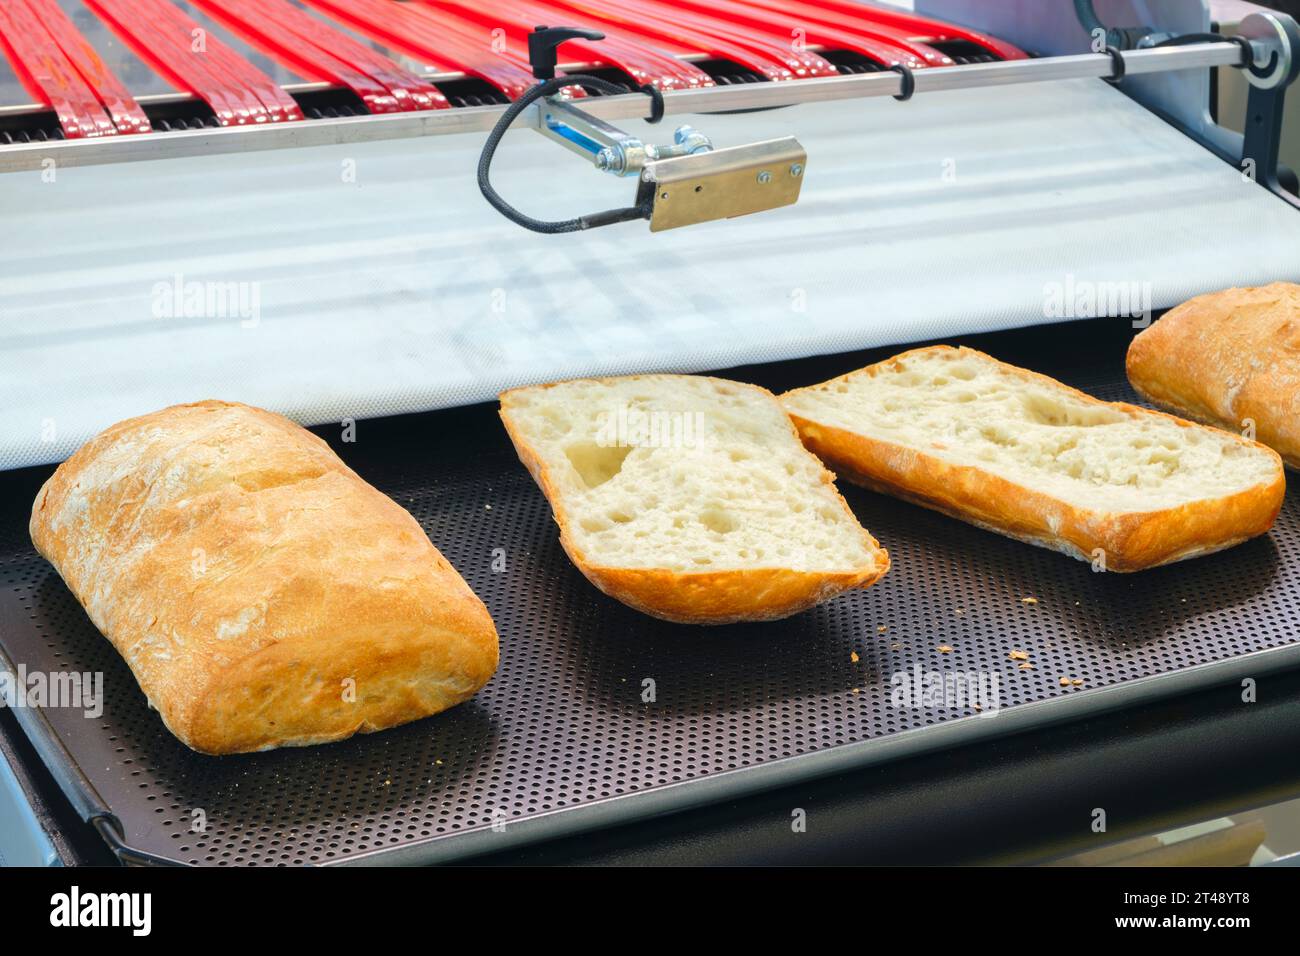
687, 477
697, 472
963, 407
1020, 453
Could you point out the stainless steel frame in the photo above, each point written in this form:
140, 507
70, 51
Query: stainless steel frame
325, 132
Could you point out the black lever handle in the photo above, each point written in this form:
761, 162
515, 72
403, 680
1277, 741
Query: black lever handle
543, 47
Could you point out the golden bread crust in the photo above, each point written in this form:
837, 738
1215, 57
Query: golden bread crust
262, 593
1227, 359
1131, 541
714, 597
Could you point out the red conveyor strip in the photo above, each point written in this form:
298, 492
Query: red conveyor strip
919, 27
715, 38
47, 73
827, 29
165, 38
176, 63
258, 94
645, 39
279, 105
306, 59
123, 110
321, 53
644, 63
401, 82
444, 44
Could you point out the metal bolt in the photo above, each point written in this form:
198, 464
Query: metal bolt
605, 159
796, 170
765, 177
691, 140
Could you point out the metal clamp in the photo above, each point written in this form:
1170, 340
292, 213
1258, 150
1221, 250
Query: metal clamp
1276, 41
1270, 59
609, 148
1121, 67
680, 184
689, 181
722, 183
1275, 38
1121, 38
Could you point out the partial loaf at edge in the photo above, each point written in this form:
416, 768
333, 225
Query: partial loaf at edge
690, 498
1019, 453
262, 593
1230, 359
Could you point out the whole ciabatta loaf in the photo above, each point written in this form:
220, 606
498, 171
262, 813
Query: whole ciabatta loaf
261, 592
690, 498
1229, 358
1022, 454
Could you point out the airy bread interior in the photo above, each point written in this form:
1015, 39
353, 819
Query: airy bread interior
967, 409
686, 474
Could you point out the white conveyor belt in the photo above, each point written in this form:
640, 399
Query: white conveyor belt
373, 279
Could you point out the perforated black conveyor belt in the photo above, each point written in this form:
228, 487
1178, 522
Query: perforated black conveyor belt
560, 740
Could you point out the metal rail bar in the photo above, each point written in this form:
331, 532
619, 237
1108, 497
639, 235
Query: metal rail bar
315, 86
346, 130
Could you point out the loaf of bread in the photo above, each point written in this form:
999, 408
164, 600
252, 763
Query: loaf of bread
1230, 359
261, 592
690, 498
1020, 453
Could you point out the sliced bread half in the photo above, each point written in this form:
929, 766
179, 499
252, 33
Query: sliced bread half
690, 498
1022, 454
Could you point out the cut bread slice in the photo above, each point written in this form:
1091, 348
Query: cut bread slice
690, 498
1020, 453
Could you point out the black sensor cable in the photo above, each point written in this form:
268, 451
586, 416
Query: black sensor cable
548, 88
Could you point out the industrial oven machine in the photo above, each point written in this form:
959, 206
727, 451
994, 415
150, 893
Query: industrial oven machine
313, 207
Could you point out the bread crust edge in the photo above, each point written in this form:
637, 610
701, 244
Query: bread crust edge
710, 598
1167, 364
466, 642
1130, 541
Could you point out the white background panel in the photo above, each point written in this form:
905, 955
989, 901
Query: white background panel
404, 291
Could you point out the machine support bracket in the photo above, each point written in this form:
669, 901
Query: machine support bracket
1276, 65
680, 184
